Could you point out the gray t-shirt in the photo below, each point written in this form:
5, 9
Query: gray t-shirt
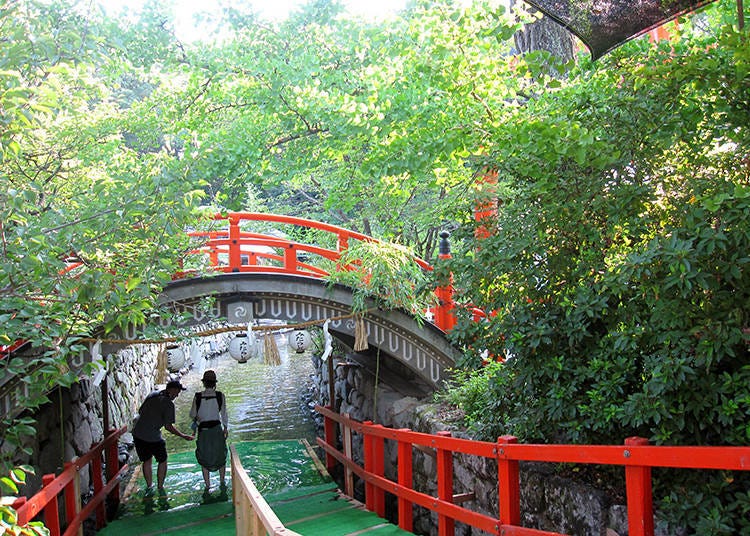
155, 412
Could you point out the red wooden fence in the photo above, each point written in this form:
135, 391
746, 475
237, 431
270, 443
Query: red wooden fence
636, 456
102, 460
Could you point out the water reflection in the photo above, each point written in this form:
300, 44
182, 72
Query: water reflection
263, 401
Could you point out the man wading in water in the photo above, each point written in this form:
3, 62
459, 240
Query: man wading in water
157, 411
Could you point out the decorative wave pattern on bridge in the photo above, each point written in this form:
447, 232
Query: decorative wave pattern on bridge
422, 348
293, 289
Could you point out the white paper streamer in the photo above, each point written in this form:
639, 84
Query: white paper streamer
328, 348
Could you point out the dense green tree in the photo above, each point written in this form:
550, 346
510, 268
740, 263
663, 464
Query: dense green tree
89, 225
617, 265
362, 124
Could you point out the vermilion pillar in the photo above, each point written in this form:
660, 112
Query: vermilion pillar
445, 318
639, 495
235, 257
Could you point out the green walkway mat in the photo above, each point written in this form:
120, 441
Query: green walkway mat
305, 500
323, 511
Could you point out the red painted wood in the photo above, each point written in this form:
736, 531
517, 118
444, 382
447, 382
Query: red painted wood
72, 497
94, 503
444, 458
329, 430
236, 244
17, 506
486, 209
509, 486
733, 458
639, 495
235, 259
369, 456
47, 496
475, 519
112, 464
405, 480
636, 456
51, 510
346, 440
378, 468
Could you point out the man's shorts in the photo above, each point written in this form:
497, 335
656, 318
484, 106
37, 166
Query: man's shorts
147, 449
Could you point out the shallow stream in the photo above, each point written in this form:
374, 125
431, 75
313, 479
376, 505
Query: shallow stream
263, 401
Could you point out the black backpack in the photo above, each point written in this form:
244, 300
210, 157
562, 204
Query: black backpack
219, 398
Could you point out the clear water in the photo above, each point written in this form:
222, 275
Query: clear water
263, 401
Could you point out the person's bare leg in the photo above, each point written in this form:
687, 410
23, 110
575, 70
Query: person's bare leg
206, 477
222, 474
161, 474
147, 473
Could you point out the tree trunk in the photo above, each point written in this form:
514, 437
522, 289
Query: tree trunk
545, 34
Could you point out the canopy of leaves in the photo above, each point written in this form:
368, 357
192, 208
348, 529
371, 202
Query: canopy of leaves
113, 132
89, 221
364, 125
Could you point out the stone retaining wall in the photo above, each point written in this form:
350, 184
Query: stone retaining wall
132, 374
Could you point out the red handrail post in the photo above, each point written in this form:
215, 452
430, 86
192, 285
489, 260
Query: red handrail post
290, 259
343, 242
113, 466
378, 467
51, 510
368, 453
446, 525
17, 504
639, 494
97, 477
405, 479
72, 496
509, 487
235, 257
329, 430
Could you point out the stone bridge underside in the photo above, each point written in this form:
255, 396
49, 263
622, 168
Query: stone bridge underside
241, 297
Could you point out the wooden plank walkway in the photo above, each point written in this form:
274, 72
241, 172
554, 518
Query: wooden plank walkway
288, 475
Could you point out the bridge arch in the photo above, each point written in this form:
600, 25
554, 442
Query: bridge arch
421, 348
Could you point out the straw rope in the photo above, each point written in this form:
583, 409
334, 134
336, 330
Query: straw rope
161, 366
223, 329
360, 334
271, 354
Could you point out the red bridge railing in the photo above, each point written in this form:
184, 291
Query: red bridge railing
236, 250
637, 458
241, 250
102, 461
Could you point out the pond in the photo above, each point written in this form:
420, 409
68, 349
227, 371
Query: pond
263, 401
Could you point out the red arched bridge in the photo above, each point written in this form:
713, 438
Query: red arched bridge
234, 249
255, 276
259, 276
